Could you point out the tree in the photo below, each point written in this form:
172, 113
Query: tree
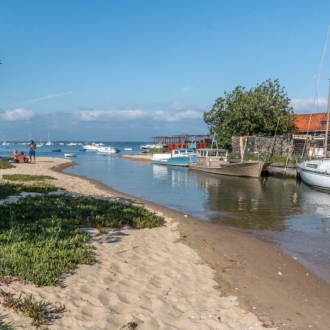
255, 112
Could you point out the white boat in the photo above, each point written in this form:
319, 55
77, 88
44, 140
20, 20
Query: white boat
128, 148
70, 155
48, 143
178, 157
108, 150
153, 146
316, 173
91, 146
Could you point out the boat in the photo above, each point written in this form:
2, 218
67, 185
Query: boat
178, 157
49, 143
316, 172
216, 161
81, 150
70, 155
128, 148
91, 146
56, 150
153, 146
108, 150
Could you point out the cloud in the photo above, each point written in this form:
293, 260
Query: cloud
178, 116
115, 115
48, 97
19, 114
308, 105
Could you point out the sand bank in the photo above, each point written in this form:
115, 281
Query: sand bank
139, 157
165, 278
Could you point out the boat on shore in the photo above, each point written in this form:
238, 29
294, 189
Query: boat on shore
216, 161
178, 157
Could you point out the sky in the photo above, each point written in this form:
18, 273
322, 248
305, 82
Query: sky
130, 70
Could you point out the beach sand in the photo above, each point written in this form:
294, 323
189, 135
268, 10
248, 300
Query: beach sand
188, 274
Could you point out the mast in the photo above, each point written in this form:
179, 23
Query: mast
327, 125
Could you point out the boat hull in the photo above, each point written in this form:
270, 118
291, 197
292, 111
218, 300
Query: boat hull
317, 179
244, 169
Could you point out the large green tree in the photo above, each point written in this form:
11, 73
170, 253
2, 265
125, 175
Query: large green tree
253, 112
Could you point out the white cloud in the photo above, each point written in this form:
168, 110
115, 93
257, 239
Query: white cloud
308, 105
17, 115
115, 115
178, 116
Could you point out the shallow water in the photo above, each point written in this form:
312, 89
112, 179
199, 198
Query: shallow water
284, 211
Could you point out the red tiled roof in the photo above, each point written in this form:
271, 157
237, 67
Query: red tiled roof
311, 122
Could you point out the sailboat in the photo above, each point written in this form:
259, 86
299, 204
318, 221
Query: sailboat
316, 173
49, 143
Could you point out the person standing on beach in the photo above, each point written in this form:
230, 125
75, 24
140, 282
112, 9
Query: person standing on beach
32, 152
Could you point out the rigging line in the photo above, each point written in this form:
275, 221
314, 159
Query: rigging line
316, 88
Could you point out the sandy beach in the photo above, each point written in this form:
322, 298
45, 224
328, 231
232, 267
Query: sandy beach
188, 274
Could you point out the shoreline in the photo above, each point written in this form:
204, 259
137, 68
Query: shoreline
249, 268
242, 265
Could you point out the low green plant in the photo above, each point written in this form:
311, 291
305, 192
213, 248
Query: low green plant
5, 325
4, 164
9, 189
40, 238
272, 159
26, 177
155, 150
27, 306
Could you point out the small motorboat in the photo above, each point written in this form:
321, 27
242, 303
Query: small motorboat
108, 150
81, 150
70, 155
128, 148
57, 150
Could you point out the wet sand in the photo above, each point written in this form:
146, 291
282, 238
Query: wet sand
214, 262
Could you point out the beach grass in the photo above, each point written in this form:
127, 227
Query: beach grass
4, 325
4, 164
40, 237
10, 189
26, 177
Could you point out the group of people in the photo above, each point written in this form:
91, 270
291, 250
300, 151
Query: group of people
22, 158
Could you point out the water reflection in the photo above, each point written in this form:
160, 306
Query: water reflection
285, 211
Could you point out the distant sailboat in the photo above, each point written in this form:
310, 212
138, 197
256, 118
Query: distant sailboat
48, 143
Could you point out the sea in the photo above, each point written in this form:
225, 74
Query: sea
283, 211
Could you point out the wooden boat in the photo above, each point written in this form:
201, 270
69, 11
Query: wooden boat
70, 155
216, 161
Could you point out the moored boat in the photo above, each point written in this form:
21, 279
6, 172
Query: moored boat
216, 161
315, 173
70, 155
178, 157
108, 150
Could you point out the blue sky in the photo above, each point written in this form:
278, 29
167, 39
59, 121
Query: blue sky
128, 70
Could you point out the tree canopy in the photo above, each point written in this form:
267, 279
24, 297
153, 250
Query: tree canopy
253, 112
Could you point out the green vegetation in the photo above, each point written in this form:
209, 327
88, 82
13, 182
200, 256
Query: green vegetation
273, 159
26, 177
3, 324
253, 112
9, 189
40, 238
155, 150
4, 164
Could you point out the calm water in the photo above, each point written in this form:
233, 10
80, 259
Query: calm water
284, 211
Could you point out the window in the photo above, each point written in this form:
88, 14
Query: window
311, 165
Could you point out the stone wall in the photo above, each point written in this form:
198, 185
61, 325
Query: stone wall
263, 145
